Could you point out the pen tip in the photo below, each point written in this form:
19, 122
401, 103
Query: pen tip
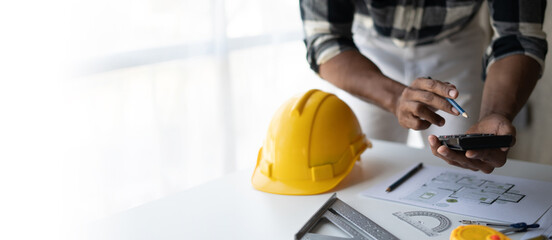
465, 115
388, 190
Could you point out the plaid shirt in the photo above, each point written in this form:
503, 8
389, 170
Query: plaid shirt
517, 25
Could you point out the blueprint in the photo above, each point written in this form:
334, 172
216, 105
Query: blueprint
470, 193
452, 188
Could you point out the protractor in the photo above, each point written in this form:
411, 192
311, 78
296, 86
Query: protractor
430, 223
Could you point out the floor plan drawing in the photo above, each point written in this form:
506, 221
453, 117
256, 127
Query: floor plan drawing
451, 188
476, 194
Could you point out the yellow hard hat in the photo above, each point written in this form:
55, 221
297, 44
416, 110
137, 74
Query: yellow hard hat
312, 143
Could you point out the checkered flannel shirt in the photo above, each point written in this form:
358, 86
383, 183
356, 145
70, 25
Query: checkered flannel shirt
517, 25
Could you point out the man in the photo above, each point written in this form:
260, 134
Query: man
382, 52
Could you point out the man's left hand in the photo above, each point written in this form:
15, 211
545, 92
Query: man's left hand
485, 160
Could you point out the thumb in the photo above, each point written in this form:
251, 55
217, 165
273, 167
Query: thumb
508, 130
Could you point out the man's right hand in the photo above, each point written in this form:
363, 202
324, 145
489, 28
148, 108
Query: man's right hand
416, 106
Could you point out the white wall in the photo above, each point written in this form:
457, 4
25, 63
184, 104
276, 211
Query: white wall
534, 141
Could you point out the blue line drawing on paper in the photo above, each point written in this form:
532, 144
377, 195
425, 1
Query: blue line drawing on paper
452, 188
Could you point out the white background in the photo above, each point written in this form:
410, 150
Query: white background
106, 105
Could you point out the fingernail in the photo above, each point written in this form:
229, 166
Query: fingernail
441, 150
452, 93
431, 141
470, 154
442, 122
455, 111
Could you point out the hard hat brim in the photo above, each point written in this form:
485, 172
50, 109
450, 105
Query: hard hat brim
263, 183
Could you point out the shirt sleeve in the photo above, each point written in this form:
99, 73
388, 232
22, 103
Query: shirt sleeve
327, 29
517, 26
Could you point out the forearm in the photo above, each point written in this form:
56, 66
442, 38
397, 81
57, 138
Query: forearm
509, 84
356, 74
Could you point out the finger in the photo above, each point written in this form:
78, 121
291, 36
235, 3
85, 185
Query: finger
415, 123
451, 85
505, 129
457, 157
482, 165
451, 162
435, 86
434, 145
432, 100
423, 112
492, 157
407, 118
433, 140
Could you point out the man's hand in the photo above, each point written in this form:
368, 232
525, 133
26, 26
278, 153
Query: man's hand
485, 160
418, 102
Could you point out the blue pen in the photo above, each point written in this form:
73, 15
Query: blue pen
514, 227
455, 105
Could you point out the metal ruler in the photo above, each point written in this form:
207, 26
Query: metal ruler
346, 218
410, 218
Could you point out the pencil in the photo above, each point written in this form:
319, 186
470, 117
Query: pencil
455, 105
404, 178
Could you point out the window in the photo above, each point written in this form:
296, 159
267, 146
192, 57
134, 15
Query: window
176, 93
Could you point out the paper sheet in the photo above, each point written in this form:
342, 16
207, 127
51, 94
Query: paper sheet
476, 194
545, 228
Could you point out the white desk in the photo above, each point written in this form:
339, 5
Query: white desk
230, 208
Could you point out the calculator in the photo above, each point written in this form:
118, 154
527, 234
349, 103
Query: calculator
463, 142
